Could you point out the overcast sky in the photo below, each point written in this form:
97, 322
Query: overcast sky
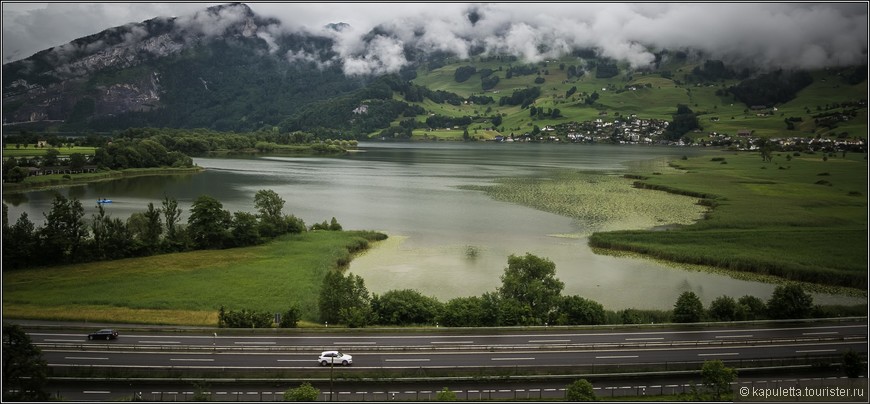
774, 34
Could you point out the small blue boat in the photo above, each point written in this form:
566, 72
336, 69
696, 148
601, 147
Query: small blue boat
104, 201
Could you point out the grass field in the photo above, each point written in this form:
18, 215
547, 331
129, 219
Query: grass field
33, 151
797, 217
184, 288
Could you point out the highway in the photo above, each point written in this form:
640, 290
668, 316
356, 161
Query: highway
541, 348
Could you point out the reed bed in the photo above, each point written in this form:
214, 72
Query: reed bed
599, 202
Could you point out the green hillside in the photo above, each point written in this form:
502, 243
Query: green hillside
652, 94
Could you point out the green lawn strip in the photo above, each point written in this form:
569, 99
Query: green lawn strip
272, 277
33, 151
769, 217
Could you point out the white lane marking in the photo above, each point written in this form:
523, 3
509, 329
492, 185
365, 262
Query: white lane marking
645, 339
735, 336
255, 343
544, 341
816, 350
821, 333
513, 359
452, 342
296, 360
407, 360
719, 354
191, 360
616, 357
354, 343
159, 342
62, 340
87, 358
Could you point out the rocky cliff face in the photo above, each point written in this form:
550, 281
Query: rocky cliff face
110, 73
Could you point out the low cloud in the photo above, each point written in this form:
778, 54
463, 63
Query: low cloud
772, 35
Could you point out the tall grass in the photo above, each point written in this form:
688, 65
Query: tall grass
768, 218
186, 288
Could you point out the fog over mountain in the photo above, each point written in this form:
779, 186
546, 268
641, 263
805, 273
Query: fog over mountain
372, 37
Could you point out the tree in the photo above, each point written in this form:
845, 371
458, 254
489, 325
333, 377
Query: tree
305, 392
684, 121
153, 228
208, 223
724, 308
405, 307
171, 215
531, 282
580, 390
64, 230
24, 369
789, 302
765, 147
244, 229
717, 377
20, 241
344, 299
50, 158
269, 205
852, 364
463, 312
445, 395
334, 225
751, 307
574, 310
688, 308
77, 161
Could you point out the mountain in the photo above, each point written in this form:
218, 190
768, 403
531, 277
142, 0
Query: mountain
227, 69
216, 69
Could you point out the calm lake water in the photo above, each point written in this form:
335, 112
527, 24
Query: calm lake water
410, 192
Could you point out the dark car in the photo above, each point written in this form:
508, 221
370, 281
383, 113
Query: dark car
105, 334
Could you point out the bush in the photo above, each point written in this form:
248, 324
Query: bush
290, 318
405, 307
305, 392
445, 395
244, 319
580, 390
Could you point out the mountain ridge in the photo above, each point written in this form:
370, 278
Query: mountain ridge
226, 68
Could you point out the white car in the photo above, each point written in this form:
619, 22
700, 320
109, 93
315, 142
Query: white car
335, 358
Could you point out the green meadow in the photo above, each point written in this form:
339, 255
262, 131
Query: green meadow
650, 95
34, 151
798, 217
185, 288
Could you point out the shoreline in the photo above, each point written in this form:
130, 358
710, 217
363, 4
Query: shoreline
57, 180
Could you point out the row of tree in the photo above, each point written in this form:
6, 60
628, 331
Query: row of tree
530, 294
789, 301
66, 237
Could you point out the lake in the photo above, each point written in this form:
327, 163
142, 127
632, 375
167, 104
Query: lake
444, 241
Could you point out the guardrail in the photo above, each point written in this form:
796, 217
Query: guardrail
109, 346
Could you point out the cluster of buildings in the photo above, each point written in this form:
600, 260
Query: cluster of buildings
634, 130
631, 130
